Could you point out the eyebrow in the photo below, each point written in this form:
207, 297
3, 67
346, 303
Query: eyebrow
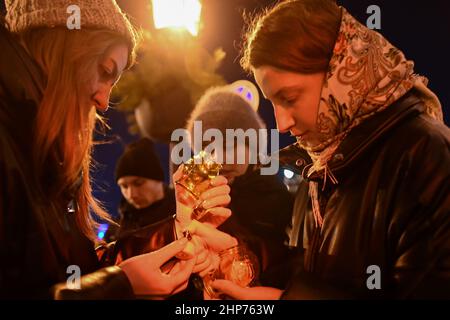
283, 90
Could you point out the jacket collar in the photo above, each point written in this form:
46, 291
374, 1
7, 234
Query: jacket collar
358, 141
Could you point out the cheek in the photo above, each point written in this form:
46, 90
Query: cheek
148, 192
125, 193
307, 113
90, 84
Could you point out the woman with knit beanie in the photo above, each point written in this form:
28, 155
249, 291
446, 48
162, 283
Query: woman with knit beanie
372, 215
261, 204
53, 78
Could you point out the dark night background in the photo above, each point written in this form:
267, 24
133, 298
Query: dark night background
420, 29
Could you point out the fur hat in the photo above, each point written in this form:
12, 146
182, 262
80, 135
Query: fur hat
222, 109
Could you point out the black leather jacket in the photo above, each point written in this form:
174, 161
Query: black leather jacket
39, 239
390, 208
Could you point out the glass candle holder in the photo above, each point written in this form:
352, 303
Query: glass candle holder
238, 265
197, 173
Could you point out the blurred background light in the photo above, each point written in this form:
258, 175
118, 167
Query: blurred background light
177, 14
288, 173
102, 228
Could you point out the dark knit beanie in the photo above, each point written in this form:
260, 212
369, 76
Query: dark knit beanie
140, 159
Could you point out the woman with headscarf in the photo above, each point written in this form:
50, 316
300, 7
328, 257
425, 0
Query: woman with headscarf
372, 216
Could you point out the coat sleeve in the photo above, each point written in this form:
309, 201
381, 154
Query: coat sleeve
107, 283
420, 223
19, 278
417, 210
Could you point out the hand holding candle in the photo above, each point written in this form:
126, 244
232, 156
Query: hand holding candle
201, 194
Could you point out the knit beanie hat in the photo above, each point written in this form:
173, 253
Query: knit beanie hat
140, 159
22, 15
221, 108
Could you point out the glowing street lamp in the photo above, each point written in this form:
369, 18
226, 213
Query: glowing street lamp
177, 14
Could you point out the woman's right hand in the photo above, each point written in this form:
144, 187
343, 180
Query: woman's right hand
215, 239
147, 279
214, 199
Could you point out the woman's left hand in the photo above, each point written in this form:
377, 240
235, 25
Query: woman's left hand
239, 293
207, 261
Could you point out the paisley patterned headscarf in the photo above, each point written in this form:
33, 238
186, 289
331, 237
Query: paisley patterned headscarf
366, 75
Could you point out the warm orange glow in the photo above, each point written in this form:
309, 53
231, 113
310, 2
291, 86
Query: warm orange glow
177, 14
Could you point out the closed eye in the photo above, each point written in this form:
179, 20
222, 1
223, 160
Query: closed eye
107, 73
290, 101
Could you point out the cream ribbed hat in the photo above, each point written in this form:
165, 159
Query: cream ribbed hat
23, 15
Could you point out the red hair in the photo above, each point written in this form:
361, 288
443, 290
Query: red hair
297, 36
64, 125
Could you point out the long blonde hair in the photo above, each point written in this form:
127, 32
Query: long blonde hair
64, 126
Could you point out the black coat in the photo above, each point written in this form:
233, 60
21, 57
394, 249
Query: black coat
261, 209
390, 208
39, 238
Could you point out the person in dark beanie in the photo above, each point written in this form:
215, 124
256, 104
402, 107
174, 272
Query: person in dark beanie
146, 199
261, 204
147, 209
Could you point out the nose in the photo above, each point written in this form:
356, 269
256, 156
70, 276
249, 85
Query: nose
129, 193
132, 192
126, 192
284, 119
101, 97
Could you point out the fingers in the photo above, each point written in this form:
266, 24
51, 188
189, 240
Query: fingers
216, 216
215, 191
206, 262
214, 265
215, 239
202, 266
206, 271
159, 257
218, 181
231, 289
180, 288
178, 174
202, 257
256, 293
196, 227
220, 212
181, 277
219, 201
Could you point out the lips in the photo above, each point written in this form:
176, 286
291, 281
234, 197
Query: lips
301, 135
98, 106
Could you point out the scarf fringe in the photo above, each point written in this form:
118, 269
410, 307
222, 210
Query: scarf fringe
314, 195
